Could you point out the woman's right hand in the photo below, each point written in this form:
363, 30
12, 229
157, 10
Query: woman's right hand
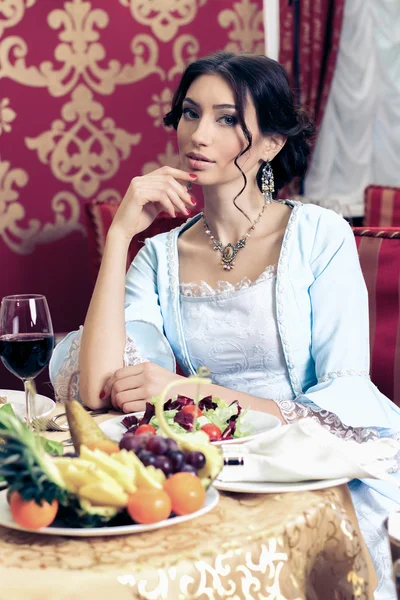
149, 195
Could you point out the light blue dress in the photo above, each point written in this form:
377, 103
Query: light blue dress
308, 349
233, 331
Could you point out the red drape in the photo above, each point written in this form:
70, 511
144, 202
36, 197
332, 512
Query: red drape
309, 43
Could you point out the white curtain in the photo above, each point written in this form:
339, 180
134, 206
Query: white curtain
359, 141
271, 28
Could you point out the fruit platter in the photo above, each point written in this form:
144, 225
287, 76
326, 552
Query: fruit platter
102, 488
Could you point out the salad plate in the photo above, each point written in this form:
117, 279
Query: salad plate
256, 422
6, 520
278, 487
43, 404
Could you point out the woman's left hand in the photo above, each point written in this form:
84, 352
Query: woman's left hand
131, 387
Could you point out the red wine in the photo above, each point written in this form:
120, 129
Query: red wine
26, 354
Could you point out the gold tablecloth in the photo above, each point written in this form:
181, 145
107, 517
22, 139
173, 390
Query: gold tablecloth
293, 546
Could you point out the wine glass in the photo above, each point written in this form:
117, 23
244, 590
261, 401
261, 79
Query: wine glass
26, 339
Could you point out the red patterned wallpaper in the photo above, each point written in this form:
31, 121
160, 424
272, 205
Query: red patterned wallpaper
83, 88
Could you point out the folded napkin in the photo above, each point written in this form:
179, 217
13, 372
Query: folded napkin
305, 451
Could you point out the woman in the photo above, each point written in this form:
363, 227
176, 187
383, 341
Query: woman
268, 295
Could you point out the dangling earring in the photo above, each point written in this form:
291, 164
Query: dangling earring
267, 182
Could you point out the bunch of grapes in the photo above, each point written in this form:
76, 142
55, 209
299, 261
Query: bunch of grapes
163, 453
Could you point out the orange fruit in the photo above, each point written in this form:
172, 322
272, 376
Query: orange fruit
186, 491
31, 515
149, 506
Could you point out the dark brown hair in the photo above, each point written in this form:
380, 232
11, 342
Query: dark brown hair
268, 84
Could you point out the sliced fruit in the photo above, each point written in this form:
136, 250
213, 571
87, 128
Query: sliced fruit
101, 493
145, 477
123, 474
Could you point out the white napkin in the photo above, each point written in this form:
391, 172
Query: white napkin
305, 451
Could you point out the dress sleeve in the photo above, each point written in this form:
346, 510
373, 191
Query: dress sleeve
145, 338
343, 398
65, 377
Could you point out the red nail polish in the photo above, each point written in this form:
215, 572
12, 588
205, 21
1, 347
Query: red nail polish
192, 175
193, 201
102, 394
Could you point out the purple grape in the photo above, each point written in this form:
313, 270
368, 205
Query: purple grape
143, 455
148, 459
165, 464
131, 442
157, 444
177, 459
196, 459
172, 445
188, 469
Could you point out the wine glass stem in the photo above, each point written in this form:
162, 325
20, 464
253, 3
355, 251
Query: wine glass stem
28, 403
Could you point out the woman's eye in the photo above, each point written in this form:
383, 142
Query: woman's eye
189, 113
229, 120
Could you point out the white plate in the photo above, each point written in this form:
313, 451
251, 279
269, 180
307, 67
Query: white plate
43, 404
258, 422
6, 520
245, 487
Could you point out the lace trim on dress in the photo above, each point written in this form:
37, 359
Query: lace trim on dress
293, 411
67, 379
203, 289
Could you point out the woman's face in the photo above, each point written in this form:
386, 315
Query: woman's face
210, 137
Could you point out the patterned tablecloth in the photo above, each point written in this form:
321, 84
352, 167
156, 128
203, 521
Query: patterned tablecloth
294, 546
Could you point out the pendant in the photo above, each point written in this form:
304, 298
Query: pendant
228, 256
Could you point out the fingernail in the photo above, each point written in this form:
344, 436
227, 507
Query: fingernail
187, 212
174, 214
102, 394
193, 201
192, 175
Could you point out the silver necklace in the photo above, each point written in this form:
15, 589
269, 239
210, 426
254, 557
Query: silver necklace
230, 251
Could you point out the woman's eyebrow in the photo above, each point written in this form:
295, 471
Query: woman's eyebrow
215, 106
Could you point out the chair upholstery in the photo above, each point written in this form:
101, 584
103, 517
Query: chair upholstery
382, 206
99, 216
379, 252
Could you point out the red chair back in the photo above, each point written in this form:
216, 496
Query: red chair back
99, 216
382, 206
379, 252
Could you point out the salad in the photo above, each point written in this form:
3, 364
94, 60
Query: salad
220, 420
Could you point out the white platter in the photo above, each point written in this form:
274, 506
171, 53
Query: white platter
245, 487
43, 404
257, 421
6, 520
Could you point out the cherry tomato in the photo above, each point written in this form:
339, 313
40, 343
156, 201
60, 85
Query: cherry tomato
145, 429
192, 409
213, 431
149, 506
30, 515
186, 491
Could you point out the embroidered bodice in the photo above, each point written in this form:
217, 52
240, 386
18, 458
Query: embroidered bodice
233, 331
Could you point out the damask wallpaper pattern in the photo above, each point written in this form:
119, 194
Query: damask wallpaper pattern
83, 88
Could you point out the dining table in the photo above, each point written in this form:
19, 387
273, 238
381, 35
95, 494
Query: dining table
299, 545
